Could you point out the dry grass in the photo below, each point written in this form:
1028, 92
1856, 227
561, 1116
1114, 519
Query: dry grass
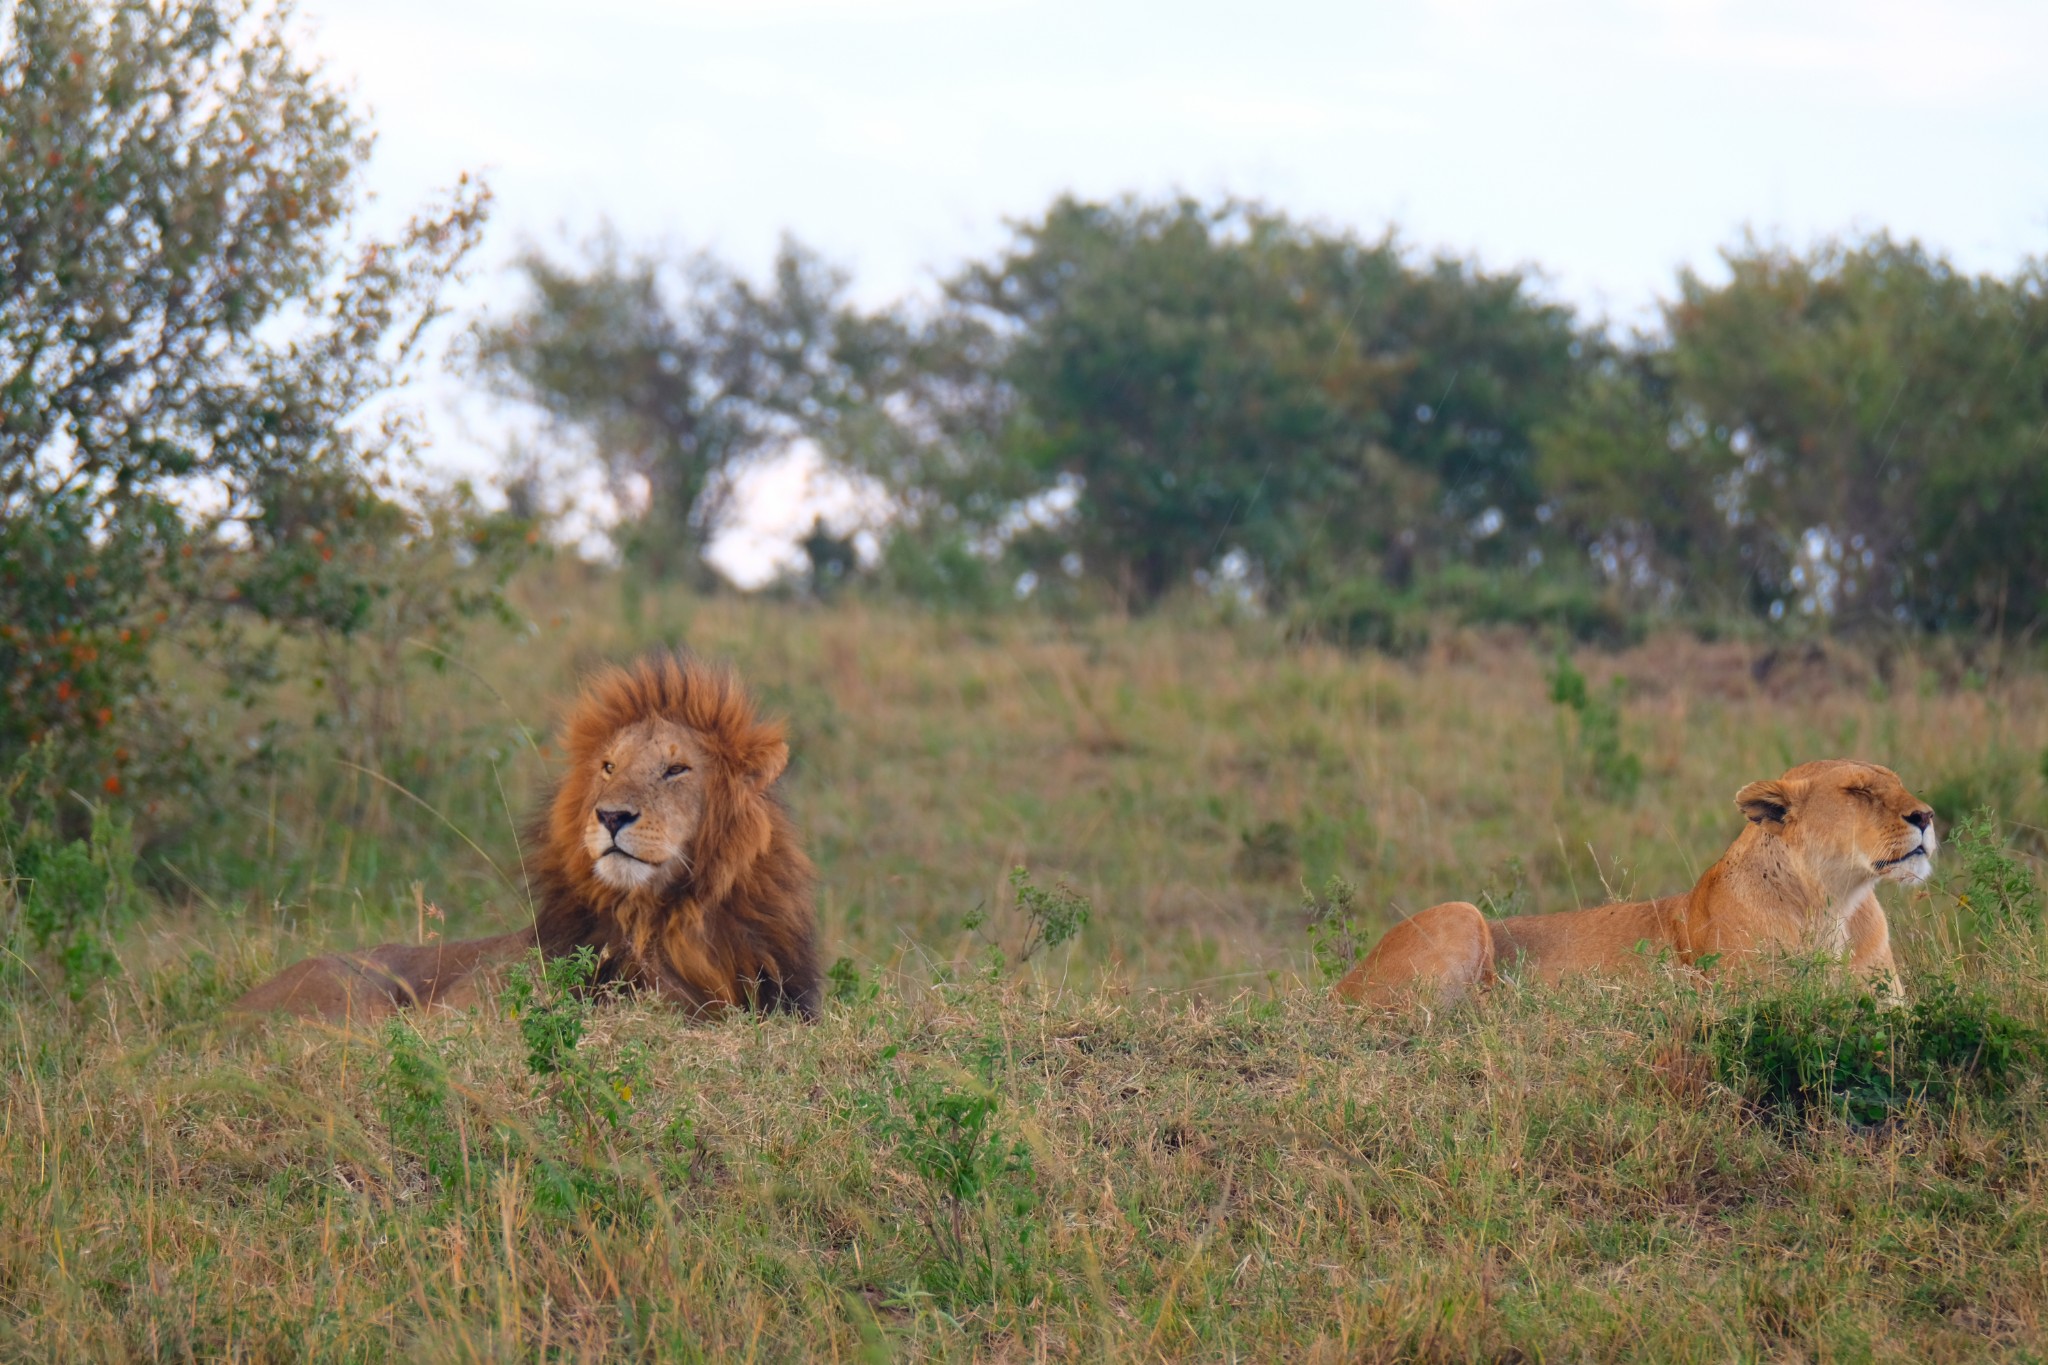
1221, 1166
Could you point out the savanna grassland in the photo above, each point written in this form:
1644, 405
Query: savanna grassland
1159, 1141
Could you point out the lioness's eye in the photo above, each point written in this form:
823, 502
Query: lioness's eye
676, 770
607, 770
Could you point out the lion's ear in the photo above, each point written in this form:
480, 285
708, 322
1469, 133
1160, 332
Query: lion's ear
1765, 803
769, 761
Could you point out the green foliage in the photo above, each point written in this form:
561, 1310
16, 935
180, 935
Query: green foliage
1604, 761
1335, 937
236, 353
1536, 599
552, 1002
1999, 891
1853, 433
679, 372
1052, 916
418, 1107
571, 1152
1214, 388
939, 568
977, 1181
1363, 613
1815, 1045
70, 896
845, 985
1961, 793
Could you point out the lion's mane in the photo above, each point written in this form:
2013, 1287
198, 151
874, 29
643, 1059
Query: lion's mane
737, 928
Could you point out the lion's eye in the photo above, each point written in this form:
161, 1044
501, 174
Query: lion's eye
607, 770
676, 770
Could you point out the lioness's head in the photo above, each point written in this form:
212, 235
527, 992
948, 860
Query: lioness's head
1847, 822
668, 778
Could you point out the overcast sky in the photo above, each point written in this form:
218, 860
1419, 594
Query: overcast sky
1609, 142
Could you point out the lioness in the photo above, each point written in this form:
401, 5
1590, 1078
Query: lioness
1801, 878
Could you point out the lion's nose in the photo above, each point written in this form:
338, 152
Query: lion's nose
616, 820
1920, 819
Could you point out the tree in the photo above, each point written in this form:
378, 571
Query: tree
1218, 379
677, 374
190, 345
1171, 364
1857, 433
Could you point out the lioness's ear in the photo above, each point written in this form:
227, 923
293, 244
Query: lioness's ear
1765, 803
769, 761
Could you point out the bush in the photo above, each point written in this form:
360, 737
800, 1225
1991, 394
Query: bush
1362, 613
66, 896
1604, 762
941, 570
1998, 890
1335, 937
1818, 1046
1581, 612
195, 312
977, 1183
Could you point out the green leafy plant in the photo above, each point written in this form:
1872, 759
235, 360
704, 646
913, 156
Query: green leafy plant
70, 895
1604, 761
1998, 889
846, 985
1052, 916
1335, 936
189, 302
1815, 1045
552, 1003
978, 1193
414, 1097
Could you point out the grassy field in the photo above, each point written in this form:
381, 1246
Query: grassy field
1161, 1142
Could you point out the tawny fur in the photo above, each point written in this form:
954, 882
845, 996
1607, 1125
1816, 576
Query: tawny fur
718, 915
1800, 878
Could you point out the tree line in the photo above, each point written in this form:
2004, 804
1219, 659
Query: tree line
1131, 400
1140, 398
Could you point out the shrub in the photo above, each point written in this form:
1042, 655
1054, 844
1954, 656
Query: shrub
1816, 1045
1580, 611
1335, 937
1362, 613
1998, 889
977, 1188
1960, 794
1052, 916
1603, 760
189, 307
67, 895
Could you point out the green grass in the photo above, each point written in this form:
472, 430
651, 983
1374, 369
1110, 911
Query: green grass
1159, 1142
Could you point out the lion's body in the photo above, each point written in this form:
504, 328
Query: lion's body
1800, 878
369, 985
662, 847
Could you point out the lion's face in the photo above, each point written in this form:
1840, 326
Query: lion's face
647, 798
1847, 822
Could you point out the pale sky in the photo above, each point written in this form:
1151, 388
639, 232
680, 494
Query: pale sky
1609, 142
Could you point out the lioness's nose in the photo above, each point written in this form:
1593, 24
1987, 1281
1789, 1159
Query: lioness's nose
616, 820
1920, 819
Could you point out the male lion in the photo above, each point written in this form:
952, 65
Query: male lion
662, 848
1801, 878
